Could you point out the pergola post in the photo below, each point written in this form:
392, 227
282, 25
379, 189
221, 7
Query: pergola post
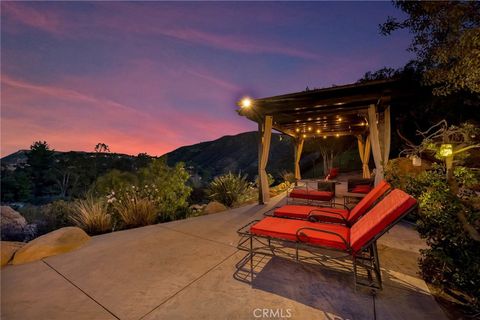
364, 151
298, 148
265, 134
380, 139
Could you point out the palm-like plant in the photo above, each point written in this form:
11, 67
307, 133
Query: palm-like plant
228, 188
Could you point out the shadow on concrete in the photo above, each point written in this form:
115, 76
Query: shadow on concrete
329, 291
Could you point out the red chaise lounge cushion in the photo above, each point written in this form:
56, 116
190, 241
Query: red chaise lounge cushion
311, 194
286, 229
361, 188
367, 201
385, 212
322, 214
375, 222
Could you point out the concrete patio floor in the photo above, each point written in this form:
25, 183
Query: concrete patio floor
185, 270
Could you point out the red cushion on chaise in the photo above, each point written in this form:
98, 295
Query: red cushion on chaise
385, 212
301, 212
383, 215
311, 194
361, 188
286, 229
322, 214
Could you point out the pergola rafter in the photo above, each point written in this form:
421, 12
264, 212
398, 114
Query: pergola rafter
360, 109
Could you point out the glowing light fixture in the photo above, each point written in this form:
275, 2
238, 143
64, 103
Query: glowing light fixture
337, 135
318, 130
304, 135
309, 128
297, 130
446, 150
339, 119
324, 137
246, 102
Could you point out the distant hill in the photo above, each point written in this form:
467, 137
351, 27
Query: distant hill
238, 153
16, 158
206, 160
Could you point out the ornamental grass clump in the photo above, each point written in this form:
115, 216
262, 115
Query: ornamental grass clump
134, 211
92, 215
229, 188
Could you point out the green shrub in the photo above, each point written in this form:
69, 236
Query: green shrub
166, 187
134, 211
92, 215
453, 260
113, 180
58, 213
229, 188
270, 180
49, 217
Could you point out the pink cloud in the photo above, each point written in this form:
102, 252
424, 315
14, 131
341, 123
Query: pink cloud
143, 22
70, 119
237, 44
47, 21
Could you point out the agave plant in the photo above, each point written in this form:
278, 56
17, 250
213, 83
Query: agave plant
228, 188
92, 216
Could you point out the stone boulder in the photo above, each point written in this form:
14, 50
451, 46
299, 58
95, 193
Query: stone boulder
56, 242
8, 249
12, 224
214, 207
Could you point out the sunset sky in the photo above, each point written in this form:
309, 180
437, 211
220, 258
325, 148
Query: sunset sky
150, 77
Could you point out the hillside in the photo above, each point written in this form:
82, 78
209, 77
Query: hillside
237, 153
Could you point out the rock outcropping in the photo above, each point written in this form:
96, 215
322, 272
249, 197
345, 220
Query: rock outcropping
12, 224
56, 242
214, 207
8, 249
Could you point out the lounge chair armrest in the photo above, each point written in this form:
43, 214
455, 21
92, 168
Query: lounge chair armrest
311, 213
299, 232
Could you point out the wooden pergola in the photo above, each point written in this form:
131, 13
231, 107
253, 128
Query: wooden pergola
360, 109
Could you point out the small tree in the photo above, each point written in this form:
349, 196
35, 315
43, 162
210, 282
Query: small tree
40, 160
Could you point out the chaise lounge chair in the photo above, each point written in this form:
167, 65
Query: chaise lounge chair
309, 195
333, 215
271, 236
